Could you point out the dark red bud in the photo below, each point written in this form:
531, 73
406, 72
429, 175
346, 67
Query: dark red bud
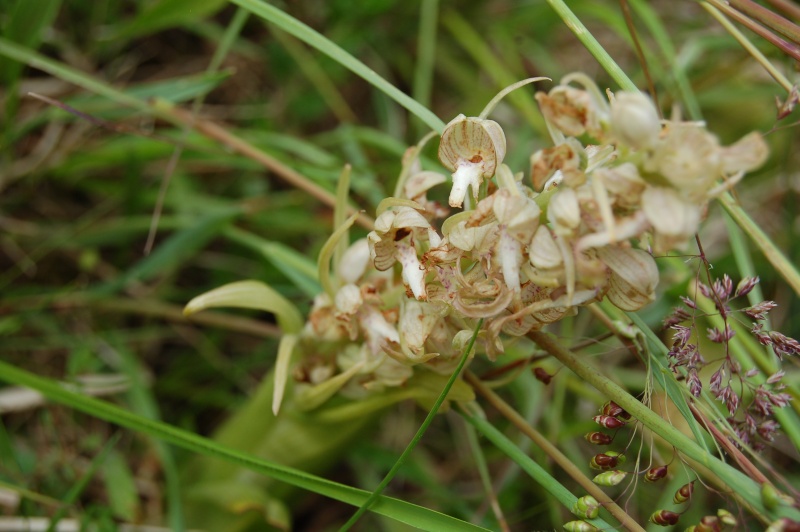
664, 518
655, 474
598, 438
542, 375
608, 422
603, 462
684, 493
614, 410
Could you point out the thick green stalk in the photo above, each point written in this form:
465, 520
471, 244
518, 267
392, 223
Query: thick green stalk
744, 486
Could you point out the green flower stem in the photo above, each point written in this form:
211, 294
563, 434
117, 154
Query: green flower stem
785, 268
591, 44
485, 476
418, 436
744, 486
553, 452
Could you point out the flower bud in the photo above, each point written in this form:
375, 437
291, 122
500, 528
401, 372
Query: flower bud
542, 375
684, 493
472, 148
613, 409
634, 120
608, 422
579, 526
664, 518
634, 276
586, 507
598, 438
654, 474
726, 517
610, 478
603, 462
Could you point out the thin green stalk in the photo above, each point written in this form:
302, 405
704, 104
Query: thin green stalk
314, 39
776, 74
485, 476
542, 477
396, 509
418, 436
785, 268
768, 18
591, 44
745, 487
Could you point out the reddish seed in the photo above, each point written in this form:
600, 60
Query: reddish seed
684, 493
598, 438
614, 410
603, 462
608, 422
542, 375
664, 518
655, 473
709, 523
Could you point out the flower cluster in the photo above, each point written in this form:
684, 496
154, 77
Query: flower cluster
729, 381
618, 185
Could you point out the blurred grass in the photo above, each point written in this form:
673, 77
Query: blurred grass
76, 202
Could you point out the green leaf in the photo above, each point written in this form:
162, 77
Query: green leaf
254, 295
167, 14
123, 497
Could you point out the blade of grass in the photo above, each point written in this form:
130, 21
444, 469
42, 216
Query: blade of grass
785, 268
486, 477
537, 473
314, 39
418, 436
316, 75
591, 44
400, 510
776, 74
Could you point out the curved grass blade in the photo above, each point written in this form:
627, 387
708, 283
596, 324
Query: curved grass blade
402, 511
591, 44
309, 36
